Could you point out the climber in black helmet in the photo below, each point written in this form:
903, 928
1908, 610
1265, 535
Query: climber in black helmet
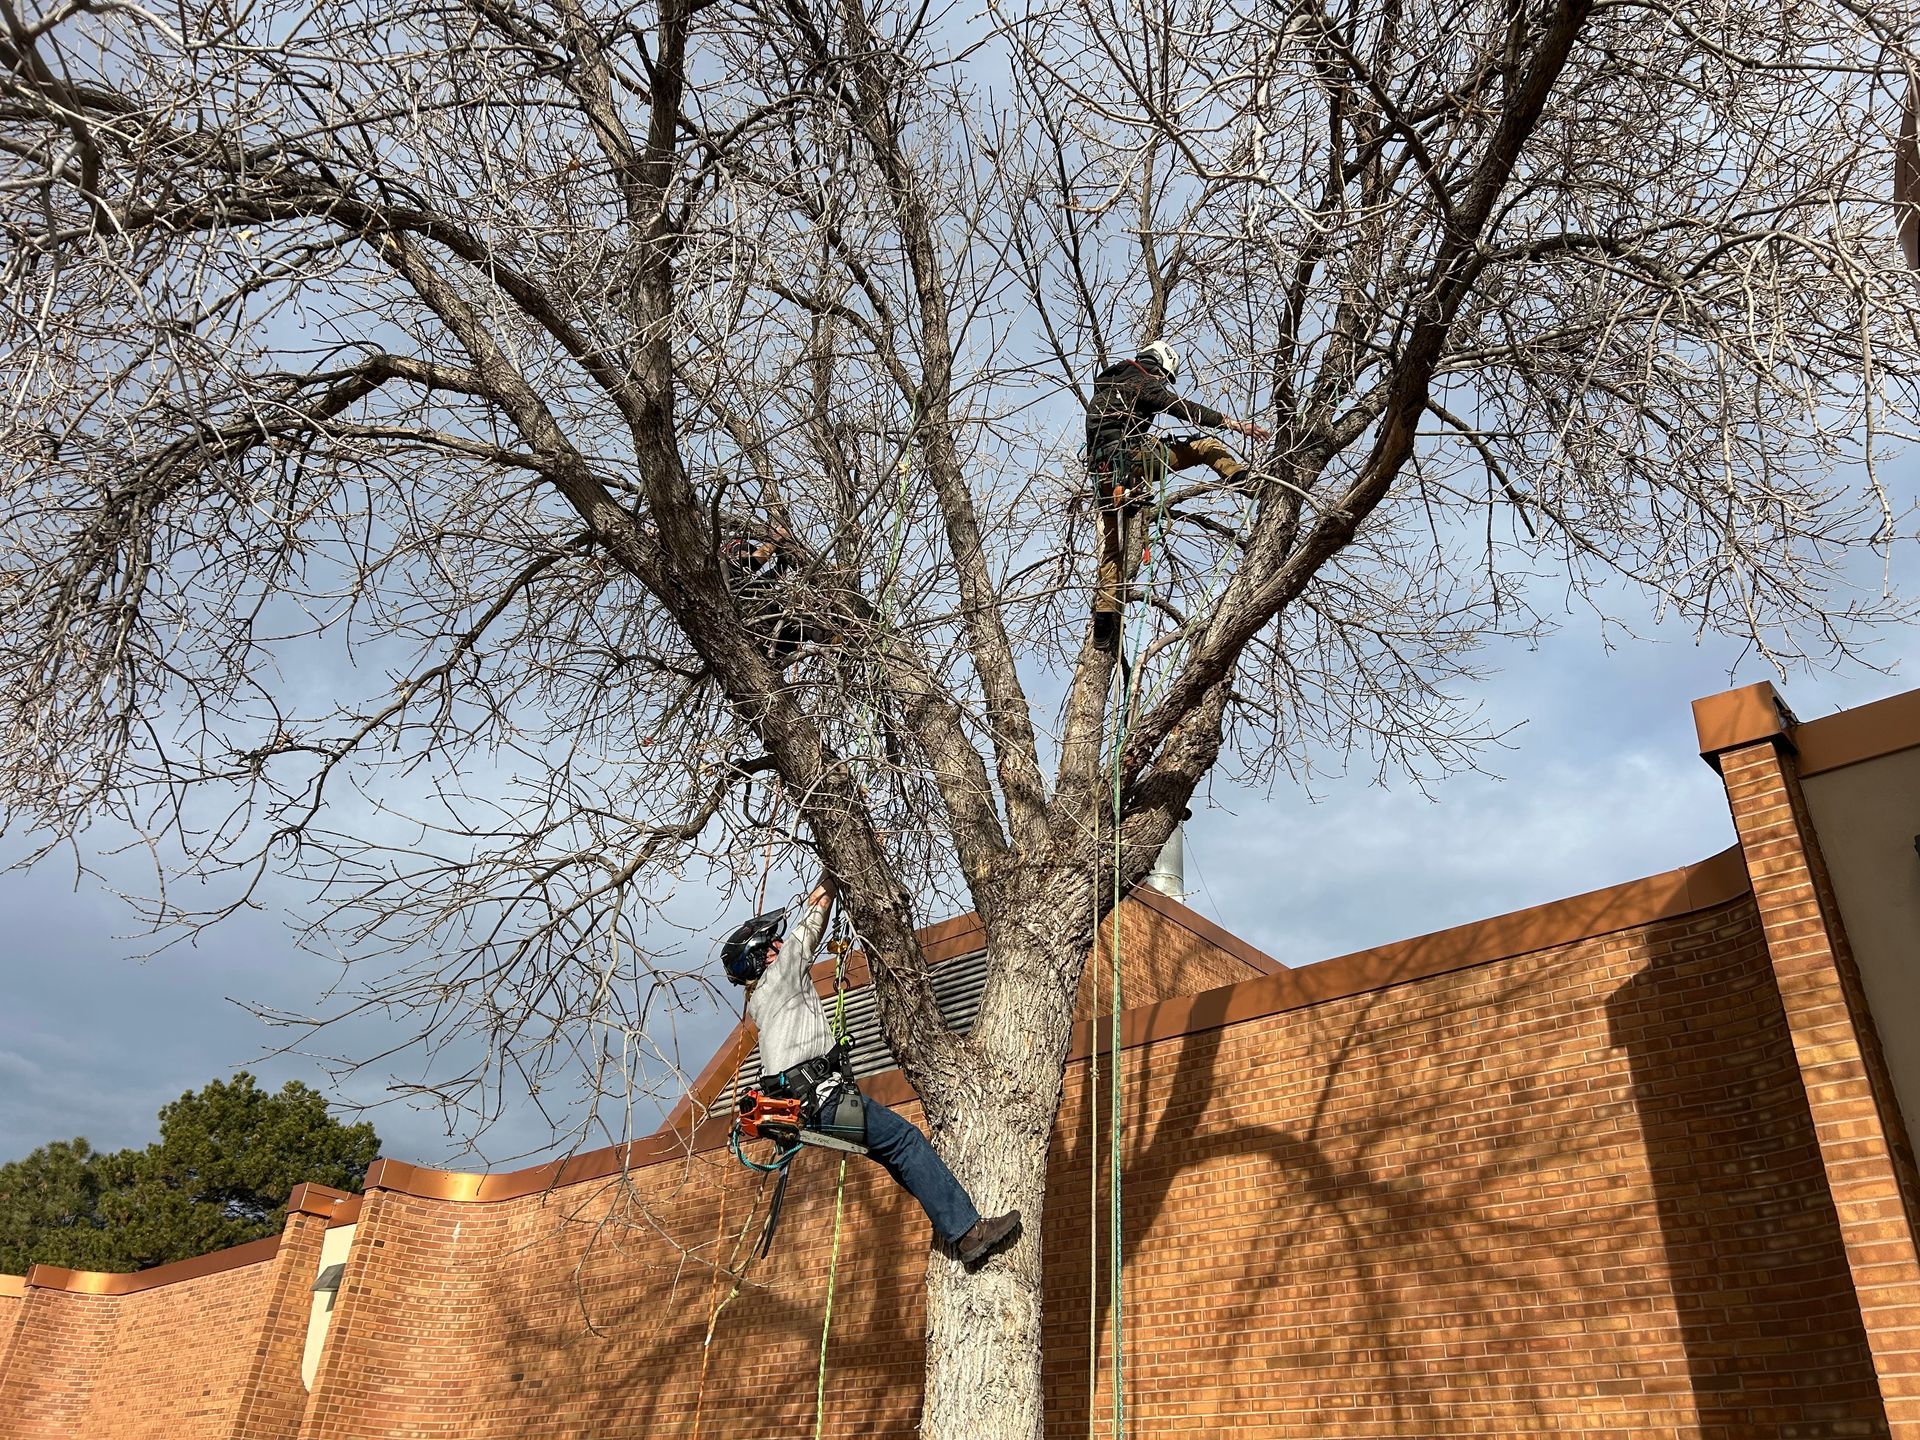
799, 1059
1127, 459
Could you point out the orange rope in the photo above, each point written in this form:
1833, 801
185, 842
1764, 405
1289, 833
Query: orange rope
713, 1318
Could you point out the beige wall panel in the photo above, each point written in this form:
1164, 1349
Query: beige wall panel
1867, 816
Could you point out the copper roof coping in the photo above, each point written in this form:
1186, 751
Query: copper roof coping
347, 1213
666, 1143
13, 1287
1740, 717
1866, 732
1713, 881
97, 1282
313, 1199
1847, 737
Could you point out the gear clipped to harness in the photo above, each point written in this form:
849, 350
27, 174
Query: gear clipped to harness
765, 1117
814, 1103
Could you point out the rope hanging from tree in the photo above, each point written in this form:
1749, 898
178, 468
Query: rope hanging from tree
841, 945
1122, 719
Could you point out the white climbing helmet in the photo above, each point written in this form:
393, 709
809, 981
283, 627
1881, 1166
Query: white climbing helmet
1163, 355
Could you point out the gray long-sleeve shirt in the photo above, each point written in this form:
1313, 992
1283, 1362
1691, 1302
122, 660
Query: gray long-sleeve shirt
785, 1007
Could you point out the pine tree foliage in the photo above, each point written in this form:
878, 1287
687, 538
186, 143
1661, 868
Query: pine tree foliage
226, 1160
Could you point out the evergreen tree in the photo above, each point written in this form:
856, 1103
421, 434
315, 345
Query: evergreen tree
220, 1174
50, 1208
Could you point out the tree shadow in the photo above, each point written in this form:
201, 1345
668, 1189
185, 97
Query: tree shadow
1575, 1190
1429, 1206
1752, 1240
1349, 1243
642, 1366
584, 1313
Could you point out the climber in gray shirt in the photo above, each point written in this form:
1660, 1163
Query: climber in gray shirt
799, 1058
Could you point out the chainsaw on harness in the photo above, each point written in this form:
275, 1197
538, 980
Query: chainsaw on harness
815, 1102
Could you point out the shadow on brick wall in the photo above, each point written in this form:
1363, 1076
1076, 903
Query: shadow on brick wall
617, 1347
1770, 1330
1420, 1211
1339, 1247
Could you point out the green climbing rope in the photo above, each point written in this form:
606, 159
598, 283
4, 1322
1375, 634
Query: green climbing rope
1122, 719
895, 547
839, 1196
826, 1320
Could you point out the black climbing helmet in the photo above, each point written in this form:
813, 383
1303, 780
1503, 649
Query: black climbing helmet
745, 953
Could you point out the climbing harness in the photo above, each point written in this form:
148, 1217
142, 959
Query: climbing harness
812, 1104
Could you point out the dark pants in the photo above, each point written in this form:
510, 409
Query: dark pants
903, 1152
1125, 485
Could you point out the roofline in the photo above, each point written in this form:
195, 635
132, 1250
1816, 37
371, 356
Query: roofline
1714, 881
1867, 732
1724, 721
1753, 713
99, 1282
1202, 928
1717, 880
306, 1199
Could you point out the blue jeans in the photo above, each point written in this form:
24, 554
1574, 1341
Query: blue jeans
903, 1152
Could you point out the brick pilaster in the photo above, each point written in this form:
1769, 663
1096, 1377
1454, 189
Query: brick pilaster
333, 1397
273, 1397
1862, 1140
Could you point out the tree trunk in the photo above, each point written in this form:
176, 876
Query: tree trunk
983, 1328
994, 1126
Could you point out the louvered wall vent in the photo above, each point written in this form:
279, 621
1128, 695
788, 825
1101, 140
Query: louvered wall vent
956, 990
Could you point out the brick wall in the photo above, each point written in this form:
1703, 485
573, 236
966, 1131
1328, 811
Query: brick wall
1863, 1139
1574, 1192
570, 1314
272, 1398
163, 1364
57, 1356
1496, 1182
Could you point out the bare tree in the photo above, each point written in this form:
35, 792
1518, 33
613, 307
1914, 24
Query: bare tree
460, 339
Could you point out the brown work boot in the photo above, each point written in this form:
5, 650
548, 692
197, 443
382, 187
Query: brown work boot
986, 1237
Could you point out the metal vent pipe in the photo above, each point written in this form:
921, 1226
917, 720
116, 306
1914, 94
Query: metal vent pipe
1169, 873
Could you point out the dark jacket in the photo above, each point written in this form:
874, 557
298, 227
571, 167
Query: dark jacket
750, 572
1126, 397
